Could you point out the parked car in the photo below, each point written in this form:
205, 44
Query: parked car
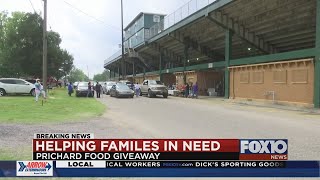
109, 86
82, 89
75, 84
15, 86
32, 81
121, 90
128, 83
153, 88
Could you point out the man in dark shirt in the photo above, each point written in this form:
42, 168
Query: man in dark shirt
98, 89
89, 89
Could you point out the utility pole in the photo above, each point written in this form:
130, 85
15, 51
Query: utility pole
44, 54
122, 48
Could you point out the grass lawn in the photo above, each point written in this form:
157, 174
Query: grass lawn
59, 107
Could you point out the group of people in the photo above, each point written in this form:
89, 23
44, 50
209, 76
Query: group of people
91, 89
188, 90
191, 91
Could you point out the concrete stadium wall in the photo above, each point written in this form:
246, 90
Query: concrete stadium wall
191, 77
206, 79
138, 79
291, 81
168, 79
209, 79
153, 77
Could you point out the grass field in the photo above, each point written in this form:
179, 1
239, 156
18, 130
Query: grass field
59, 107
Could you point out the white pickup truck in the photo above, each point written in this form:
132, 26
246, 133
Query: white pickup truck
153, 88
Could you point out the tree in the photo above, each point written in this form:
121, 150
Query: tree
101, 77
21, 47
77, 75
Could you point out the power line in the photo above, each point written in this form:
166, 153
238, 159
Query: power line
32, 6
91, 16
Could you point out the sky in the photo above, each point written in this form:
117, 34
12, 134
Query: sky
91, 29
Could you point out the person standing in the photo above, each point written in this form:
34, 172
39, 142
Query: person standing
137, 89
89, 89
191, 90
98, 89
70, 89
195, 90
187, 90
43, 92
37, 89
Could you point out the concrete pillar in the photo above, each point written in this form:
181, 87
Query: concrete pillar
186, 57
316, 97
160, 65
228, 53
110, 73
119, 78
133, 71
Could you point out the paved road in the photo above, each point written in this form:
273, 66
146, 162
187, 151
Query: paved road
180, 118
194, 118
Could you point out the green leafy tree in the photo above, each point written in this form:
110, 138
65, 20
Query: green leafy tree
77, 75
104, 76
21, 47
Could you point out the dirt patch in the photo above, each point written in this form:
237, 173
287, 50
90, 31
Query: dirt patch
15, 137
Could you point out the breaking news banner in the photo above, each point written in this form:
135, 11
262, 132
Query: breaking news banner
80, 155
160, 149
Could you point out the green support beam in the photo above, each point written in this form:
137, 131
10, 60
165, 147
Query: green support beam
275, 57
152, 73
243, 61
228, 53
316, 97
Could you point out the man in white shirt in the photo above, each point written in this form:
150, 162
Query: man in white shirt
43, 92
137, 89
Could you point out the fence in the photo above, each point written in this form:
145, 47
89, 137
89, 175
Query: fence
183, 12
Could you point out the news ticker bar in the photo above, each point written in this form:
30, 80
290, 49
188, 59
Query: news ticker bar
170, 164
174, 169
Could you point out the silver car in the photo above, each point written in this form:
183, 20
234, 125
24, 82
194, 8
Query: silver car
153, 88
121, 90
109, 86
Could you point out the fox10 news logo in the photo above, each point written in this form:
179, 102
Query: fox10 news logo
275, 149
34, 168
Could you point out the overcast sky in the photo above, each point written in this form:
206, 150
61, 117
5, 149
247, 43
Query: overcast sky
93, 37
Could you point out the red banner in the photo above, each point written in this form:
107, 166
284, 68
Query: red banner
136, 145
